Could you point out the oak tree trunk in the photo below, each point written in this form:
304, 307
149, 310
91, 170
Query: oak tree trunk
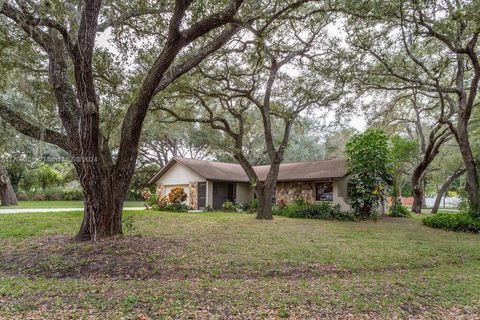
103, 202
418, 191
102, 217
472, 183
444, 189
7, 194
264, 196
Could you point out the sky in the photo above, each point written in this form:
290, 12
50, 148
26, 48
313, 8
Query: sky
358, 122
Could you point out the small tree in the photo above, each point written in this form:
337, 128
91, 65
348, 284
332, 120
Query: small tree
48, 176
370, 167
129, 226
403, 153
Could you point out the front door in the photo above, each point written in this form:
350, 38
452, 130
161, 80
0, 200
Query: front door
222, 191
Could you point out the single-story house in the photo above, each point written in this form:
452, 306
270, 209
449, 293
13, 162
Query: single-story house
211, 183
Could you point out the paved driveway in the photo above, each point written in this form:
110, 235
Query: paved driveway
26, 210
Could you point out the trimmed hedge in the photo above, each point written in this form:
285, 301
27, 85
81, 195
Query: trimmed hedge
62, 194
453, 222
51, 194
314, 211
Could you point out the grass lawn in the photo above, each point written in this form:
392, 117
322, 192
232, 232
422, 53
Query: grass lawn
65, 204
231, 266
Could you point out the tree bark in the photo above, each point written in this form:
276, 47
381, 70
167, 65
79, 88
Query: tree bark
7, 194
418, 188
264, 196
103, 204
472, 183
444, 189
438, 136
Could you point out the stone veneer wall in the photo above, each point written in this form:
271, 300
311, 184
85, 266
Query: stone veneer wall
160, 189
289, 191
193, 195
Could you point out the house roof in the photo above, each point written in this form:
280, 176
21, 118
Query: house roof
298, 171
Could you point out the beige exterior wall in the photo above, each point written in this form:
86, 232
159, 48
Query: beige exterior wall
340, 194
179, 176
244, 193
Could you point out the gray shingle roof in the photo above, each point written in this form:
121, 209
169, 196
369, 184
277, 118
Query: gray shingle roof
297, 171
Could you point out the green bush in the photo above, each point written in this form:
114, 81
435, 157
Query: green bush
453, 222
176, 207
208, 208
322, 210
51, 194
399, 211
152, 200
251, 206
229, 206
370, 167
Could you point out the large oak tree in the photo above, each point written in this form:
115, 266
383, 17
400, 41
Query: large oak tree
64, 37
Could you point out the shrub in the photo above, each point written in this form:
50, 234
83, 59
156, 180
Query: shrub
176, 207
399, 211
146, 194
370, 168
321, 210
282, 202
151, 200
300, 201
208, 208
162, 202
172, 202
453, 222
251, 206
52, 194
177, 195
229, 206
72, 194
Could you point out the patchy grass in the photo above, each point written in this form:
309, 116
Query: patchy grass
65, 204
225, 265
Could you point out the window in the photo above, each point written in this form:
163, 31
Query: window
324, 191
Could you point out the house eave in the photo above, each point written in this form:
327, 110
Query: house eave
313, 179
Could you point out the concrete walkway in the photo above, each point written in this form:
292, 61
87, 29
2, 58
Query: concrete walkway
48, 210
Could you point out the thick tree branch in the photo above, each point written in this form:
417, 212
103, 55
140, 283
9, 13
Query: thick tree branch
176, 41
34, 32
37, 132
177, 71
